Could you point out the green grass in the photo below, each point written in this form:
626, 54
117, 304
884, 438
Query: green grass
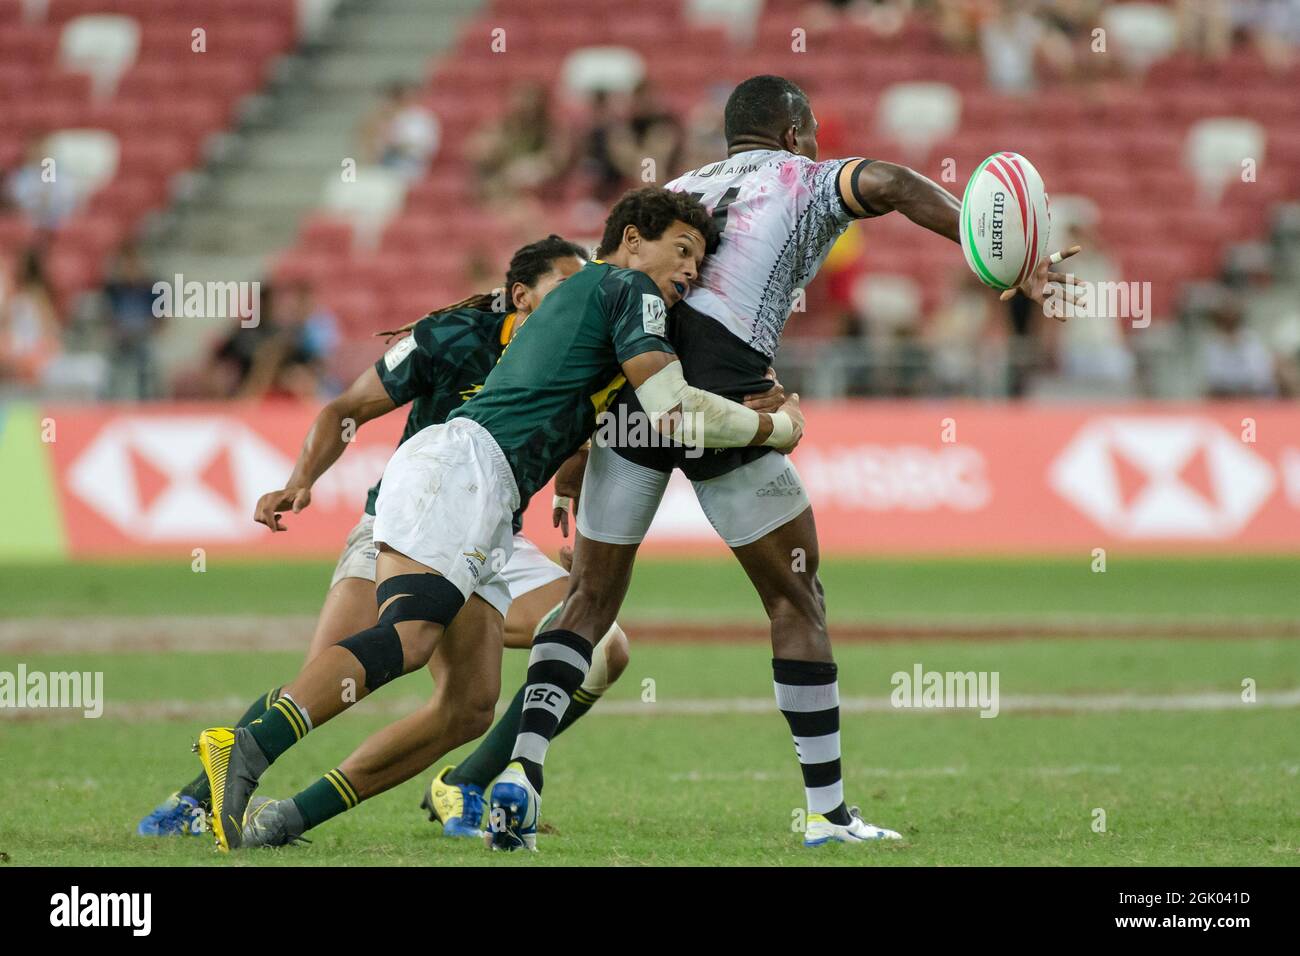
704, 590
1178, 787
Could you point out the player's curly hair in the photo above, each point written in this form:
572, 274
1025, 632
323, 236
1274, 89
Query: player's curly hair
652, 209
527, 265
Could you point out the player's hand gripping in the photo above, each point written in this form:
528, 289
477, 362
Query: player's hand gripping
568, 485
770, 400
272, 503
1038, 287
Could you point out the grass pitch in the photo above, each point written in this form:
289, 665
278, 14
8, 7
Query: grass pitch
1151, 732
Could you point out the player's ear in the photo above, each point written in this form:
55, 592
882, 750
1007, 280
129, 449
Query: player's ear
631, 237
790, 139
519, 296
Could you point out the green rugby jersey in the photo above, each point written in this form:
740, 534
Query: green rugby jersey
563, 368
442, 363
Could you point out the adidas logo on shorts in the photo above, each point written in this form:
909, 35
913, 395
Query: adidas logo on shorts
784, 485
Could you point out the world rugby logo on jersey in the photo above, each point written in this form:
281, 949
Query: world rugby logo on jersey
654, 315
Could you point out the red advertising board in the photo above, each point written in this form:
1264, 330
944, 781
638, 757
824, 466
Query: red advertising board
884, 478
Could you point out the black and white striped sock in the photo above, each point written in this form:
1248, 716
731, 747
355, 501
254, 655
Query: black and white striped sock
557, 667
808, 694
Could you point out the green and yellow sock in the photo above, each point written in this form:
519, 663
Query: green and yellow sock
327, 797
281, 726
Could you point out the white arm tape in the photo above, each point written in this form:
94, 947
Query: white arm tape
707, 419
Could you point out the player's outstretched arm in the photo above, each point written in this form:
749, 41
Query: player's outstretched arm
873, 188
702, 418
335, 424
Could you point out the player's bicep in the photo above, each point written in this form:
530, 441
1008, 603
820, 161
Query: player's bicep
366, 398
865, 187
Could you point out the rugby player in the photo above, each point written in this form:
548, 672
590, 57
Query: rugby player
448, 501
779, 211
441, 363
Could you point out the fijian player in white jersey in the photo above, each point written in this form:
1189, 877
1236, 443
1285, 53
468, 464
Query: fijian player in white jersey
779, 211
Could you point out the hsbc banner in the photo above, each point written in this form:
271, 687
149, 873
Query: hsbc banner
884, 478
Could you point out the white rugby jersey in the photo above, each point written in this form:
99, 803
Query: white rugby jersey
780, 213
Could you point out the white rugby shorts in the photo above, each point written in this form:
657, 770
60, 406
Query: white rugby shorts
619, 498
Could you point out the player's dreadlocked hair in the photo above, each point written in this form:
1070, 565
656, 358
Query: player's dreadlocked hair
527, 265
763, 107
652, 209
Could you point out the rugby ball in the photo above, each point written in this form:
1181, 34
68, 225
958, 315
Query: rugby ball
1005, 220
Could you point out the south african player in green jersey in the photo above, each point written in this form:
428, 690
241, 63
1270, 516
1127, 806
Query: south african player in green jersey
441, 363
445, 518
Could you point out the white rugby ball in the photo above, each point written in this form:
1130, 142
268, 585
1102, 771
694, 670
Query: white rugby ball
1005, 220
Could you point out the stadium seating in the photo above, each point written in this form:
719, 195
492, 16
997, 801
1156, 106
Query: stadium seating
135, 72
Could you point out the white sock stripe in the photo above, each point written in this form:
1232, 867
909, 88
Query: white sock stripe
302, 711
825, 799
552, 651
818, 749
530, 747
548, 697
801, 698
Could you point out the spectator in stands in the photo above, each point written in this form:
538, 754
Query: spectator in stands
523, 152
1235, 360
704, 138
599, 170
289, 360
30, 334
883, 17
128, 317
402, 133
958, 21
1205, 27
45, 193
651, 132
957, 335
1273, 26
1015, 40
1092, 348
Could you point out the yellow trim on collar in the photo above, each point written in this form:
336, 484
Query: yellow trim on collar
507, 327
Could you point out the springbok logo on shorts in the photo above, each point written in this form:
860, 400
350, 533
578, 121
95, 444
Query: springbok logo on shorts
472, 556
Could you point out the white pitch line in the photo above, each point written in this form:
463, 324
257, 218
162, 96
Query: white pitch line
145, 710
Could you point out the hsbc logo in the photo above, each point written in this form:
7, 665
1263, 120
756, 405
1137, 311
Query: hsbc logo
1162, 477
169, 478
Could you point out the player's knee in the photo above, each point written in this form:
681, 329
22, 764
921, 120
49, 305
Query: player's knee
473, 718
617, 653
419, 638
803, 606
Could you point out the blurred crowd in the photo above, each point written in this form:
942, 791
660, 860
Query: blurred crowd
105, 344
